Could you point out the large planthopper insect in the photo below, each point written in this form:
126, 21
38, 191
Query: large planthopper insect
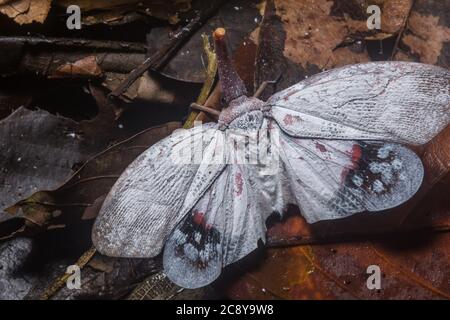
336, 148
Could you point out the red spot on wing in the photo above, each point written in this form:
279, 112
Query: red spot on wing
238, 182
288, 120
321, 147
199, 218
355, 156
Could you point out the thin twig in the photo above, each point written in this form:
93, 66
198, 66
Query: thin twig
340, 238
211, 71
402, 30
61, 281
211, 111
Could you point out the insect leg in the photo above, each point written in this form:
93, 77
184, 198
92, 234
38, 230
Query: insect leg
264, 85
209, 110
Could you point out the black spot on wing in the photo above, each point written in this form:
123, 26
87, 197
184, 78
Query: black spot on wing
193, 253
374, 171
381, 176
196, 240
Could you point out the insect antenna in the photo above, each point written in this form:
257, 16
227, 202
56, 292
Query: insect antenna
231, 84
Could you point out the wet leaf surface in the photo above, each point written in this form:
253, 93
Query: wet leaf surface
67, 203
412, 268
30, 165
12, 255
66, 214
11, 99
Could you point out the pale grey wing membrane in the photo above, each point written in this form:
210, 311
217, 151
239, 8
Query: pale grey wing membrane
333, 179
145, 203
401, 102
224, 226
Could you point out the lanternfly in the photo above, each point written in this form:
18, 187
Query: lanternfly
335, 144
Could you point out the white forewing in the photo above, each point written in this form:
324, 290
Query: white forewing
146, 202
394, 101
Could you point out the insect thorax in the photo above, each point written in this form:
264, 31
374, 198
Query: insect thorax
243, 113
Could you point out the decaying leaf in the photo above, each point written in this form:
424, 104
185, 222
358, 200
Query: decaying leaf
320, 35
79, 199
86, 67
411, 268
427, 35
158, 89
102, 277
297, 40
12, 256
313, 35
67, 202
13, 98
26, 11
29, 165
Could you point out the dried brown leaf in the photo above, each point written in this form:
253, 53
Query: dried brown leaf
86, 67
27, 11
426, 37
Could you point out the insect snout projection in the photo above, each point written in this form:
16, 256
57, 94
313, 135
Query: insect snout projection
338, 143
